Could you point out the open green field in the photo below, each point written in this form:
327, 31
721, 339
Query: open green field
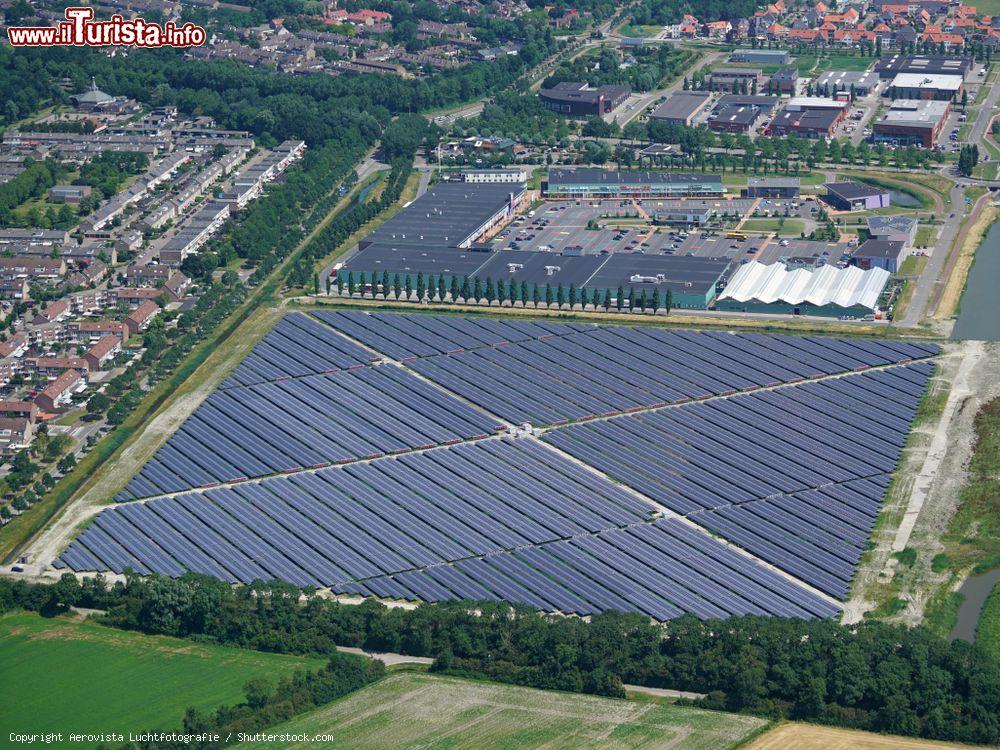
808, 64
790, 227
415, 710
639, 31
67, 675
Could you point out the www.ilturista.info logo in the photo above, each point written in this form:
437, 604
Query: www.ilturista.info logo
80, 30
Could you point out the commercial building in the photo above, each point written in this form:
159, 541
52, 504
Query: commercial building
735, 79
680, 217
577, 99
898, 228
603, 183
784, 81
947, 88
855, 196
772, 187
809, 123
692, 281
733, 119
863, 82
890, 67
450, 214
479, 176
886, 254
912, 121
761, 56
826, 291
766, 103
681, 108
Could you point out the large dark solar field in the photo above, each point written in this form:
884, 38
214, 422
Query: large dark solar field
666, 471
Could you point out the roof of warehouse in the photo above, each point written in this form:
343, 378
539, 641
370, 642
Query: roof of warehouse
879, 249
851, 190
844, 78
737, 114
681, 105
943, 82
682, 273
611, 177
819, 119
827, 285
446, 215
437, 260
915, 113
774, 182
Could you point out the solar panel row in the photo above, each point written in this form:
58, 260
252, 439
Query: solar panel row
497, 519
315, 420
755, 468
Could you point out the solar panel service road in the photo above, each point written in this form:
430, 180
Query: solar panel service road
665, 471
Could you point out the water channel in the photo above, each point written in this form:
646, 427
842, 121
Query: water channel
979, 318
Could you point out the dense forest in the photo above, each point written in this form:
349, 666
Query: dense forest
657, 12
875, 676
653, 65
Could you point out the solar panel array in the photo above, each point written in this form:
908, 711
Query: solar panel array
796, 475
297, 346
496, 519
296, 423
575, 371
381, 479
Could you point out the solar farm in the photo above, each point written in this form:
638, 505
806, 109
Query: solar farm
574, 468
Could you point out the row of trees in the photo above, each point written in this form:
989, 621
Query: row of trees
871, 675
450, 289
968, 158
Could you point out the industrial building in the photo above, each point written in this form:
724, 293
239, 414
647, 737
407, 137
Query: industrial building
862, 81
772, 187
603, 183
899, 228
827, 291
784, 81
809, 123
692, 281
946, 88
733, 119
890, 67
681, 108
513, 175
577, 99
681, 217
761, 56
450, 214
849, 195
726, 79
886, 254
912, 121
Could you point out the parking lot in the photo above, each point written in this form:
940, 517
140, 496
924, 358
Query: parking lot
560, 226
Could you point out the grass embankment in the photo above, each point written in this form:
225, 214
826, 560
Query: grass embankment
686, 319
988, 629
971, 543
67, 675
951, 297
415, 710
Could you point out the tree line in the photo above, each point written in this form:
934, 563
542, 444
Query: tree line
871, 675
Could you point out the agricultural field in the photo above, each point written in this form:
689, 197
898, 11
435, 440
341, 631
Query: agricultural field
52, 666
812, 737
412, 710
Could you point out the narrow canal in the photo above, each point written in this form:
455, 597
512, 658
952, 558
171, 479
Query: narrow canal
979, 318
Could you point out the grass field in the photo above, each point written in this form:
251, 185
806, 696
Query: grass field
790, 228
67, 675
925, 237
638, 30
812, 737
413, 710
808, 64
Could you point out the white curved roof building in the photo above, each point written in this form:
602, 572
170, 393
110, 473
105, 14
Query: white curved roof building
828, 290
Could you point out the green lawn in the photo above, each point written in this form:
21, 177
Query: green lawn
791, 227
414, 710
65, 675
637, 30
913, 266
925, 237
987, 171
808, 64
